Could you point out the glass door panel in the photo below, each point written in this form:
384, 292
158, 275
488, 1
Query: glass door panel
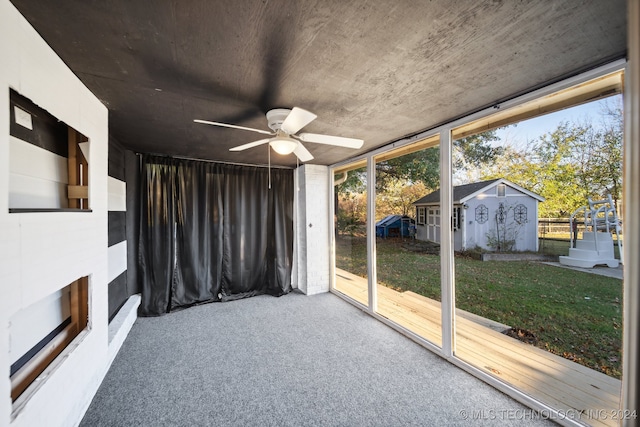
537, 238
350, 200
408, 239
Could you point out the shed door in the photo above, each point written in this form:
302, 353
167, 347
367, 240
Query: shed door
433, 224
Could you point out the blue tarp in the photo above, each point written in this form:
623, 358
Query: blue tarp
394, 226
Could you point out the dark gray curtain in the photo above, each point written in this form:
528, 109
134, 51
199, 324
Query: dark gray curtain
199, 226
226, 234
155, 246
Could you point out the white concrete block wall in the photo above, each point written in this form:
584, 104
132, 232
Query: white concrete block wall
28, 326
37, 178
41, 253
117, 260
117, 194
313, 229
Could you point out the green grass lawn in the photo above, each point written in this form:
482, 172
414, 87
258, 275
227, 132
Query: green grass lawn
573, 314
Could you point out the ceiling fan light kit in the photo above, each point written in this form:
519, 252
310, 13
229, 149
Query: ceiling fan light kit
284, 124
283, 145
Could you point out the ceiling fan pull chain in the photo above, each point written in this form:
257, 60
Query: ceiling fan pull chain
297, 181
269, 157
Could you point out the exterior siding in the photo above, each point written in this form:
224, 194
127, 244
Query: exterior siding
479, 218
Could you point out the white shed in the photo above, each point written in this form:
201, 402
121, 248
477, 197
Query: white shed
495, 215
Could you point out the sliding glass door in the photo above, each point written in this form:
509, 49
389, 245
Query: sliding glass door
498, 242
350, 225
407, 246
538, 239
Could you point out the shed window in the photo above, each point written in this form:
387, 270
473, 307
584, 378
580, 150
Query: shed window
501, 190
421, 215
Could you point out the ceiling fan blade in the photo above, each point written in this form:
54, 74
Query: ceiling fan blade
226, 125
250, 145
340, 141
296, 120
303, 154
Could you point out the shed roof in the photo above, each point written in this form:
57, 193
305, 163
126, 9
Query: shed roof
390, 219
462, 193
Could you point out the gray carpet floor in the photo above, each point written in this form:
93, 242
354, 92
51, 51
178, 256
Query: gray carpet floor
291, 361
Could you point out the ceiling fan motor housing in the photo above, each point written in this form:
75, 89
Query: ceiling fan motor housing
275, 118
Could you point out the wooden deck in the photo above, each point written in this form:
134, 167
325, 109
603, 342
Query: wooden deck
558, 382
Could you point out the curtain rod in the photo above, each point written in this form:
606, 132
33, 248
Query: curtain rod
215, 161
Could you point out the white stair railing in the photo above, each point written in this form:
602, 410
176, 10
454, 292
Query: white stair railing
599, 215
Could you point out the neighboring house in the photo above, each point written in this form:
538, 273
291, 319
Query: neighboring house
394, 226
493, 215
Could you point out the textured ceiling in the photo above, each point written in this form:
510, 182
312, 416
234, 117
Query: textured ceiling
369, 69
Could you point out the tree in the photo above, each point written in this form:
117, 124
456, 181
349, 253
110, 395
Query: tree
351, 202
574, 162
356, 182
474, 152
551, 167
398, 199
424, 165
351, 212
421, 166
608, 165
402, 180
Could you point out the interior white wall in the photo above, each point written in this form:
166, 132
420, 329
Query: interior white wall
41, 253
117, 194
28, 326
37, 178
117, 260
117, 201
312, 229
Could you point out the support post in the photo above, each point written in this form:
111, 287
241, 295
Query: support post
447, 277
371, 234
631, 194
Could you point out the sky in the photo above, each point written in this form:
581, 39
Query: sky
529, 130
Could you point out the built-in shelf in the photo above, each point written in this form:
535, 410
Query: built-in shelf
40, 210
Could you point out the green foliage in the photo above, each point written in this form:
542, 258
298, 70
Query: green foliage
351, 212
351, 202
356, 182
566, 166
398, 197
422, 166
474, 152
608, 155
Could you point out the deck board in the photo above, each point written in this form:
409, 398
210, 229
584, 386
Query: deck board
556, 381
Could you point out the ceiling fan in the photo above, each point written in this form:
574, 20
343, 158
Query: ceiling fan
284, 137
